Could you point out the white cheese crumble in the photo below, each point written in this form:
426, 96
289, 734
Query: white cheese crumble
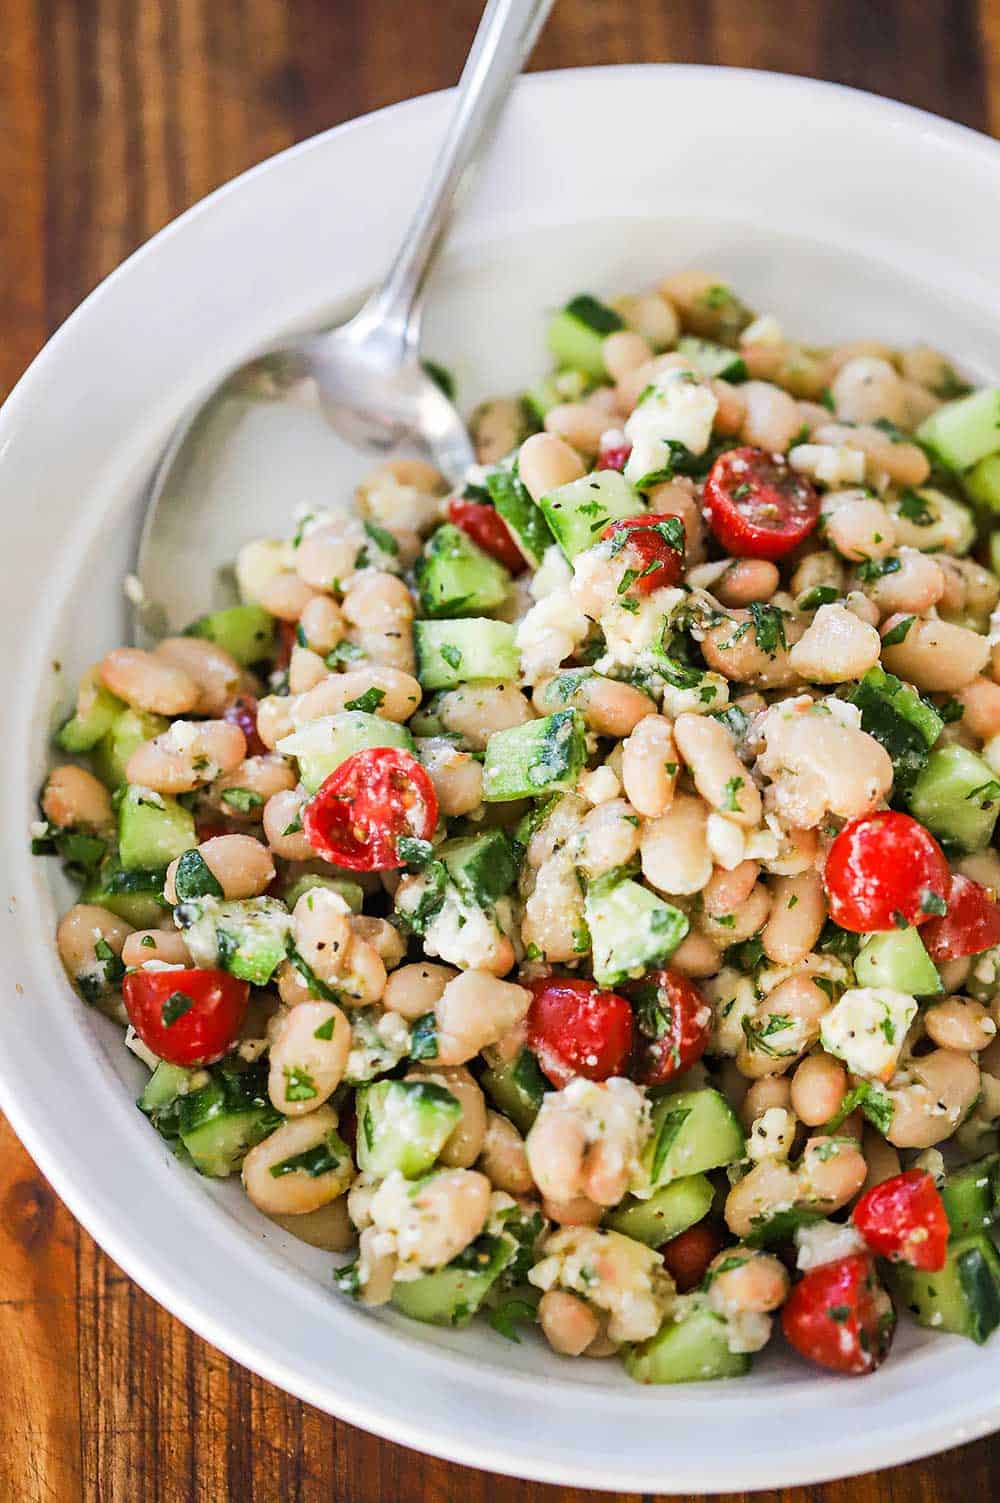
679, 408
139, 1049
710, 693
257, 563
461, 934
550, 632
632, 636
553, 573
866, 1029
831, 464
599, 786
614, 1273
726, 842
825, 1242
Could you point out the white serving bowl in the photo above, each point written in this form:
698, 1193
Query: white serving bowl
842, 214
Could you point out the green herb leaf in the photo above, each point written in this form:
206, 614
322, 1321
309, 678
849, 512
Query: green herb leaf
423, 1037
368, 702
898, 633
452, 655
243, 800
175, 1007
299, 1084
768, 627
507, 1316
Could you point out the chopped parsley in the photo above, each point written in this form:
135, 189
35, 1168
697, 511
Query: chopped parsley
731, 803
382, 538
898, 633
244, 800
452, 655
368, 702
871, 569
299, 1084
506, 1317
768, 627
175, 1007
913, 507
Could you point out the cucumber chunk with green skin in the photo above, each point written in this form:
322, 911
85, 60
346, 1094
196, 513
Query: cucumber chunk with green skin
963, 1297
352, 894
246, 632
897, 959
136, 895
982, 483
323, 744
543, 756
97, 710
516, 1089
457, 578
129, 730
961, 433
632, 931
525, 521
481, 866
404, 1124
667, 1213
219, 1123
710, 359
153, 829
971, 1196
957, 797
453, 1294
246, 936
691, 1132
904, 723
577, 333
579, 512
690, 1350
453, 652
164, 1086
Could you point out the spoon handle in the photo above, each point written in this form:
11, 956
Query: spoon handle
390, 318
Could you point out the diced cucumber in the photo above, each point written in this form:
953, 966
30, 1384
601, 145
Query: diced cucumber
456, 578
931, 521
964, 1297
956, 797
404, 1124
686, 1351
246, 936
219, 1123
96, 712
971, 1196
710, 359
135, 895
982, 483
578, 512
577, 333
961, 433
452, 1295
352, 894
246, 632
631, 929
516, 1089
163, 1087
692, 1131
541, 397
153, 829
894, 713
524, 519
542, 756
321, 745
452, 652
481, 866
667, 1213
897, 959
129, 730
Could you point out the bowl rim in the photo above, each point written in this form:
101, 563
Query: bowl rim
978, 1413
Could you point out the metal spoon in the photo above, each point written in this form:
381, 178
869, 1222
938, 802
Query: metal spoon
321, 398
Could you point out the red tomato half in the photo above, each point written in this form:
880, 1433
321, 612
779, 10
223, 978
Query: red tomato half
186, 1017
486, 527
243, 712
613, 458
884, 871
971, 925
576, 1029
651, 547
376, 798
757, 506
904, 1218
840, 1316
673, 1021
687, 1256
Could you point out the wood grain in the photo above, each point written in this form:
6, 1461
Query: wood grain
115, 115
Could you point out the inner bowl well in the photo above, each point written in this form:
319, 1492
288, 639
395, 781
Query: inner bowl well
844, 216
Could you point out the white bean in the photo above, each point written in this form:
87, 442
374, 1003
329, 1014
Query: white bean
296, 1192
309, 1049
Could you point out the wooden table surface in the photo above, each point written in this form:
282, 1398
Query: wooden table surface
114, 116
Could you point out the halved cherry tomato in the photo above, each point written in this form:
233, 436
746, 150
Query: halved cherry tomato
485, 526
757, 506
971, 925
904, 1219
687, 1256
186, 1017
243, 712
840, 1316
652, 549
577, 1029
673, 1021
376, 798
885, 871
613, 458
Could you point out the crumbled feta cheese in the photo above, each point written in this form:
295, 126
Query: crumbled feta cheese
825, 1242
866, 1029
257, 563
38, 829
931, 1161
553, 573
831, 464
599, 786
378, 1043
747, 1330
771, 1134
614, 1273
710, 693
462, 934
680, 408
764, 330
844, 713
550, 632
632, 635
761, 845
139, 1049
726, 841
